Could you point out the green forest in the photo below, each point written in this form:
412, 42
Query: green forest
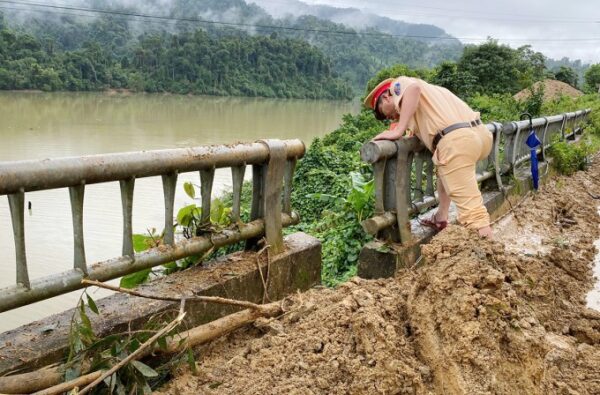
59, 51
194, 62
303, 57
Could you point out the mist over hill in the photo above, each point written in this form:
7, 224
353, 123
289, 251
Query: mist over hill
356, 52
355, 18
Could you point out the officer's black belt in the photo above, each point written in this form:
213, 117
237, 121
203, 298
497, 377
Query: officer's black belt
451, 128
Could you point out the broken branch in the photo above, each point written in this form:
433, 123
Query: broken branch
207, 299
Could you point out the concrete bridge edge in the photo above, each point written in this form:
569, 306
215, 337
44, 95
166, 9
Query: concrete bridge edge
234, 276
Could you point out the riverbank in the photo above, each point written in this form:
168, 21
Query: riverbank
476, 317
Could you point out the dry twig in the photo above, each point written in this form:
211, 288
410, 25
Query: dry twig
207, 299
265, 283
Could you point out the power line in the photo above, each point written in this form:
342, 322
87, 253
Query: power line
286, 28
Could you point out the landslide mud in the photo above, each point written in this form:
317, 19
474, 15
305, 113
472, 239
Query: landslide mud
477, 317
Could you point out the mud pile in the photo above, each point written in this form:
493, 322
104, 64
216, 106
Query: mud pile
553, 89
475, 318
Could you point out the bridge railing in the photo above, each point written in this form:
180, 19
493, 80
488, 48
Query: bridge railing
404, 177
273, 163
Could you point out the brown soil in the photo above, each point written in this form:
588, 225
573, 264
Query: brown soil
553, 89
477, 317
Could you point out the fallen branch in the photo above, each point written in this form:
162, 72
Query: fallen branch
206, 299
69, 385
146, 345
48, 377
26, 383
220, 327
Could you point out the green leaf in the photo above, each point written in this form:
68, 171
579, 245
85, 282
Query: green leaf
191, 361
134, 279
141, 242
92, 304
85, 320
189, 189
162, 342
134, 345
144, 369
185, 214
146, 389
105, 342
111, 382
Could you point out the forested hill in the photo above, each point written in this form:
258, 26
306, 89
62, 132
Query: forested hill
357, 19
58, 49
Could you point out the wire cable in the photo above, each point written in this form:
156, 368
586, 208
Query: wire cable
286, 28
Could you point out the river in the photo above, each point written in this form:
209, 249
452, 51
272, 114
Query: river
47, 125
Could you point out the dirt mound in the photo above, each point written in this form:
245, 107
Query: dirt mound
553, 89
474, 318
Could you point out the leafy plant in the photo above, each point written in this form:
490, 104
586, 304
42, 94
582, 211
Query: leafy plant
86, 350
141, 243
570, 157
340, 231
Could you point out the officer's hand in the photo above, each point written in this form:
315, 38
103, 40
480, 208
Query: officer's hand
388, 135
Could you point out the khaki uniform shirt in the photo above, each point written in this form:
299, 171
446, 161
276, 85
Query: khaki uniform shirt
438, 108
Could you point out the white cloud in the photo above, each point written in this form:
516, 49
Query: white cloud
516, 23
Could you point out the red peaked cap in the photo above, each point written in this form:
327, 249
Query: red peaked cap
379, 92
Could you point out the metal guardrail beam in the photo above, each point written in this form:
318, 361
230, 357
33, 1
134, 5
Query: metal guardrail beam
273, 162
34, 175
399, 186
60, 283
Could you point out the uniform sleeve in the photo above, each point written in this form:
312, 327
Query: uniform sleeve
399, 86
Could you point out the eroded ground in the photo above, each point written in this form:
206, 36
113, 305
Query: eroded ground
478, 317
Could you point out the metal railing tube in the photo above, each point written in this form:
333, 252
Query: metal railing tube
17, 296
33, 175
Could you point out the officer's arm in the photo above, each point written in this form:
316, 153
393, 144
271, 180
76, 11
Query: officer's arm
408, 107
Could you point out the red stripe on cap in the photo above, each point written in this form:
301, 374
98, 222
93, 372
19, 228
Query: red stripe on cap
379, 92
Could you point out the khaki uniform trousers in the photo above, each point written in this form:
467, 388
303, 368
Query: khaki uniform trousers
456, 158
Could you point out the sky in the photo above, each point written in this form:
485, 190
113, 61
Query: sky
557, 28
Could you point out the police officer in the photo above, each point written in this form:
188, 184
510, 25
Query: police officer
451, 130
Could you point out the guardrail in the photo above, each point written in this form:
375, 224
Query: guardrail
404, 176
273, 164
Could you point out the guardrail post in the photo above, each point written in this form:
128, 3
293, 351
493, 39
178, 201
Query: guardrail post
16, 201
237, 177
271, 197
206, 183
76, 193
127, 187
169, 185
404, 160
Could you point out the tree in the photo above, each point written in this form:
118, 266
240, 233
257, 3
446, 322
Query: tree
592, 78
567, 75
448, 76
495, 68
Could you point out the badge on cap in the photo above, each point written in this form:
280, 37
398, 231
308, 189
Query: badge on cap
397, 89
